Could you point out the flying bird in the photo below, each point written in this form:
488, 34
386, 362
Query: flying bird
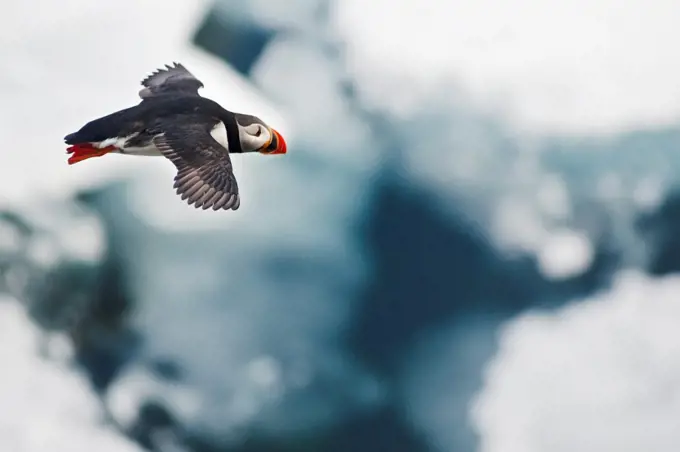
195, 133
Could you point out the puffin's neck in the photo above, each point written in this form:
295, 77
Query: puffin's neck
231, 126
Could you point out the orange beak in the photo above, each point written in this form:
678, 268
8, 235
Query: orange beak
277, 145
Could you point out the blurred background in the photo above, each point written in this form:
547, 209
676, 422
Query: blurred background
471, 245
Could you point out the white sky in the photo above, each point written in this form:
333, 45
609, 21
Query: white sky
575, 67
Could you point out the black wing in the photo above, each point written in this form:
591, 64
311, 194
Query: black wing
175, 79
205, 175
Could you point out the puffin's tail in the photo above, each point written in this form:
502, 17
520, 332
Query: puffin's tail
92, 139
87, 142
72, 138
99, 129
84, 135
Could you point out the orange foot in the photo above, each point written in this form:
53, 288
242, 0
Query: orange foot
85, 151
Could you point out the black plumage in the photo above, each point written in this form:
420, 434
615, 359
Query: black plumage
204, 171
147, 119
173, 120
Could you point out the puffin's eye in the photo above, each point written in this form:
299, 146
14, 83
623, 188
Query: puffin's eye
255, 130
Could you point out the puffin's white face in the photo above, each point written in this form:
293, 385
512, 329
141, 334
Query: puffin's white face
256, 136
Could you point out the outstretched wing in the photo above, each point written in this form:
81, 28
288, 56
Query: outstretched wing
205, 175
175, 79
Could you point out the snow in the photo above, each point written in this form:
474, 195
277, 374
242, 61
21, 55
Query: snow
560, 252
272, 14
480, 103
253, 354
64, 230
565, 254
138, 385
439, 373
579, 67
600, 374
478, 93
47, 405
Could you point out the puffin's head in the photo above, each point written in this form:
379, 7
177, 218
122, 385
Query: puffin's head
256, 136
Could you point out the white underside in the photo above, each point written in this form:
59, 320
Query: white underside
148, 151
219, 133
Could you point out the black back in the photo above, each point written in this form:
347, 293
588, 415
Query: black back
149, 115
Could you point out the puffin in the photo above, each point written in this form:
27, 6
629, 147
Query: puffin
195, 133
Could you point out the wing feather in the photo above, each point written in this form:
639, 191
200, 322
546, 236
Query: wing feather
172, 79
205, 177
